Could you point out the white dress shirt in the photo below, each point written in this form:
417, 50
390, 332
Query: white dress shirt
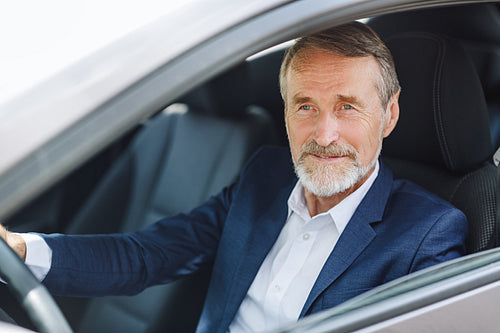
38, 255
289, 271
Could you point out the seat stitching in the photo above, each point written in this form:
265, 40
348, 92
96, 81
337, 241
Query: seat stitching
438, 119
458, 185
226, 132
164, 151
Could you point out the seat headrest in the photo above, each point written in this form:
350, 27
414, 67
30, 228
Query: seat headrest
226, 95
477, 22
476, 26
443, 114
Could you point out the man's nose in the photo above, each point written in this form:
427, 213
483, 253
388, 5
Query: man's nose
326, 129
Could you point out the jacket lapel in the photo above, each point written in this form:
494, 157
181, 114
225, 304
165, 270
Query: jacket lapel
357, 235
261, 228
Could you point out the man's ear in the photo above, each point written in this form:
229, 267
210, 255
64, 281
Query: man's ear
391, 115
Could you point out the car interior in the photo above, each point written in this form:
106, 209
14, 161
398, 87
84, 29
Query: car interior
448, 63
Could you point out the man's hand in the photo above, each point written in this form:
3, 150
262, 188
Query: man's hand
16, 242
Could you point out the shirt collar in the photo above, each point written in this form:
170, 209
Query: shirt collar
342, 212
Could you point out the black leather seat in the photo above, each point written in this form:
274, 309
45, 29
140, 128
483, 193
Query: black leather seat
179, 159
442, 140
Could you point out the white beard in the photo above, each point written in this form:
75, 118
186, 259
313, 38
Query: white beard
326, 180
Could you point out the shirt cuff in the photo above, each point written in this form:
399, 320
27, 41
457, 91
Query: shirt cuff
38, 255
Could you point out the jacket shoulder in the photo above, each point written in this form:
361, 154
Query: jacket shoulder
424, 211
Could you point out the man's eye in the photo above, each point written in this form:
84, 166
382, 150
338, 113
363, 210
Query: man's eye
306, 107
346, 107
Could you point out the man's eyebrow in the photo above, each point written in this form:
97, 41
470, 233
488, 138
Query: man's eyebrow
351, 100
299, 99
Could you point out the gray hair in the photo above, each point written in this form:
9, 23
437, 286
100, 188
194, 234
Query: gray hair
349, 40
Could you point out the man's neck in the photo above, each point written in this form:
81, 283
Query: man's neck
317, 205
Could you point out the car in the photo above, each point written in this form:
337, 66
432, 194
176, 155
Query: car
151, 116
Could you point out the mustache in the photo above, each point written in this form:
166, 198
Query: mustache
333, 149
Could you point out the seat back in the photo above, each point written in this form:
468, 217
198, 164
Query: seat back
442, 140
179, 159
476, 27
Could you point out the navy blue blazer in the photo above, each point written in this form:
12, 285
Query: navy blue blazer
397, 229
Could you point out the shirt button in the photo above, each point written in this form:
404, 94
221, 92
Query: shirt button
305, 236
277, 287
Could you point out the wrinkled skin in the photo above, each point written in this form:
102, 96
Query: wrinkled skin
16, 242
332, 99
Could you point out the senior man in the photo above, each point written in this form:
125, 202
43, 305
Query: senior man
285, 244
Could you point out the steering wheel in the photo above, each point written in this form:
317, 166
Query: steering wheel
31, 294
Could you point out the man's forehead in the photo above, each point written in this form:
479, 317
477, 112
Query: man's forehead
325, 64
314, 55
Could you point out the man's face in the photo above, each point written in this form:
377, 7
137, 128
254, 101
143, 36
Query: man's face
334, 119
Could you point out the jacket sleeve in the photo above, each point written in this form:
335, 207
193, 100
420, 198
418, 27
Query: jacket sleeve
125, 264
445, 240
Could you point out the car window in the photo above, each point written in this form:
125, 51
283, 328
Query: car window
447, 281
120, 110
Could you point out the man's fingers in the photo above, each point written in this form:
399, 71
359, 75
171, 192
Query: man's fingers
3, 232
15, 241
